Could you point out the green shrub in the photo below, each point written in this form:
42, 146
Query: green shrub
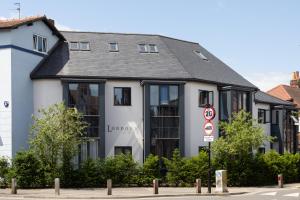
4, 169
27, 169
175, 167
122, 169
150, 170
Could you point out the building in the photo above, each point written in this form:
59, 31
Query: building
140, 93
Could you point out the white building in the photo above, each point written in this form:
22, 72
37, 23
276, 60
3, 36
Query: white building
140, 93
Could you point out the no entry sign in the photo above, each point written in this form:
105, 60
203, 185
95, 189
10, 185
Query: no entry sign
209, 113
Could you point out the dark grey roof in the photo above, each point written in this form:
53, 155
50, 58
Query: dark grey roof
266, 98
176, 60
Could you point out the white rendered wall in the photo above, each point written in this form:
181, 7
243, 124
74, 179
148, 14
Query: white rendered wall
194, 119
127, 119
267, 126
5, 95
46, 93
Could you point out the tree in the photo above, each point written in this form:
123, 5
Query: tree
56, 134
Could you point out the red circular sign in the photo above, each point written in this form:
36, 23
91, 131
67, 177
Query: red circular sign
208, 128
209, 113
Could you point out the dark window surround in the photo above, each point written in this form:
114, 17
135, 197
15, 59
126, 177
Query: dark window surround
123, 149
209, 93
275, 121
122, 103
265, 116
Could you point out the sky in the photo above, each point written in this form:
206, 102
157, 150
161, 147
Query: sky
260, 39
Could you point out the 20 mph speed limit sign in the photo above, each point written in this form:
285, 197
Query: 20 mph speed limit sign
209, 113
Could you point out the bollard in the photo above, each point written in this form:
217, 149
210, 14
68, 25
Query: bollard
109, 187
13, 186
57, 186
280, 180
221, 181
155, 186
198, 186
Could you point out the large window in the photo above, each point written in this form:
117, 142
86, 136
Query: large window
122, 96
205, 98
164, 119
275, 117
240, 101
263, 116
39, 43
85, 97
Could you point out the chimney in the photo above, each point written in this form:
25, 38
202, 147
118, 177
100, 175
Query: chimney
295, 82
51, 21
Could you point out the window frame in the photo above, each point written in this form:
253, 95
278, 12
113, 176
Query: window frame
155, 48
113, 50
80, 46
276, 122
265, 112
146, 48
212, 98
35, 43
74, 49
122, 104
123, 148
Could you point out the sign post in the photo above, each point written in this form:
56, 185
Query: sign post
209, 114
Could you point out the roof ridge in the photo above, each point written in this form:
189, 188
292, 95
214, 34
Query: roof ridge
142, 34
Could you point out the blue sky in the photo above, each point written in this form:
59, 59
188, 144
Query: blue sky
260, 39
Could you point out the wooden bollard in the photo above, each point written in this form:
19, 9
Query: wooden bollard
109, 187
280, 180
155, 186
57, 186
13, 186
198, 186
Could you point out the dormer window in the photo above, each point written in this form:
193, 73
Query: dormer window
84, 46
39, 43
143, 48
153, 48
201, 55
113, 47
74, 45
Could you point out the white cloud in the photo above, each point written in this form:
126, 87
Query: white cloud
62, 27
3, 18
268, 80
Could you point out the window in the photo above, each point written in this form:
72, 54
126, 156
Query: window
127, 150
113, 47
275, 117
263, 116
203, 57
153, 48
39, 43
205, 98
122, 96
262, 150
143, 48
84, 46
74, 45
240, 101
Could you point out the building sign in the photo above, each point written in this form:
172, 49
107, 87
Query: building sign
121, 129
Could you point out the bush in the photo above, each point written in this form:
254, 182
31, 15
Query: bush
150, 170
4, 169
175, 167
122, 169
26, 168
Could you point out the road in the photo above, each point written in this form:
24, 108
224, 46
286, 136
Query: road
276, 194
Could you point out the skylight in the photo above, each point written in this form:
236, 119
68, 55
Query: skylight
84, 46
79, 46
201, 55
113, 47
74, 45
143, 48
153, 48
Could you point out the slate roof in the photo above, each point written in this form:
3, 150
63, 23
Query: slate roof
263, 97
288, 93
15, 23
176, 60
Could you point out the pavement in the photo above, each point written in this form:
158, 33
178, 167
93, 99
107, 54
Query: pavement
290, 191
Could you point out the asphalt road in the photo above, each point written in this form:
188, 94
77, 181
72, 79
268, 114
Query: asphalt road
276, 194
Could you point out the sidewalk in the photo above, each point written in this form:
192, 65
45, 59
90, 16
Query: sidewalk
125, 193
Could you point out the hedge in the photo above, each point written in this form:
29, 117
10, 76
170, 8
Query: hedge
259, 169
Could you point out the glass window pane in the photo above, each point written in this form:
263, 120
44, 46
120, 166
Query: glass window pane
40, 44
211, 98
118, 96
113, 46
154, 95
153, 48
164, 95
93, 144
126, 96
203, 97
73, 94
173, 94
143, 48
224, 103
84, 46
44, 45
34, 42
74, 45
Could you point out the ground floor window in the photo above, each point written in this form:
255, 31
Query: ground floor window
127, 150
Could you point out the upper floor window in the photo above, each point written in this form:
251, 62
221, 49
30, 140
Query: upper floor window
263, 116
84, 46
201, 55
39, 43
74, 45
148, 48
113, 47
143, 48
205, 98
122, 96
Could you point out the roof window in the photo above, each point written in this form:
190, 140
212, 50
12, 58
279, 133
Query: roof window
153, 48
113, 47
143, 48
201, 55
74, 45
84, 46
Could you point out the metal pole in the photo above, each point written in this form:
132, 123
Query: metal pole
209, 170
